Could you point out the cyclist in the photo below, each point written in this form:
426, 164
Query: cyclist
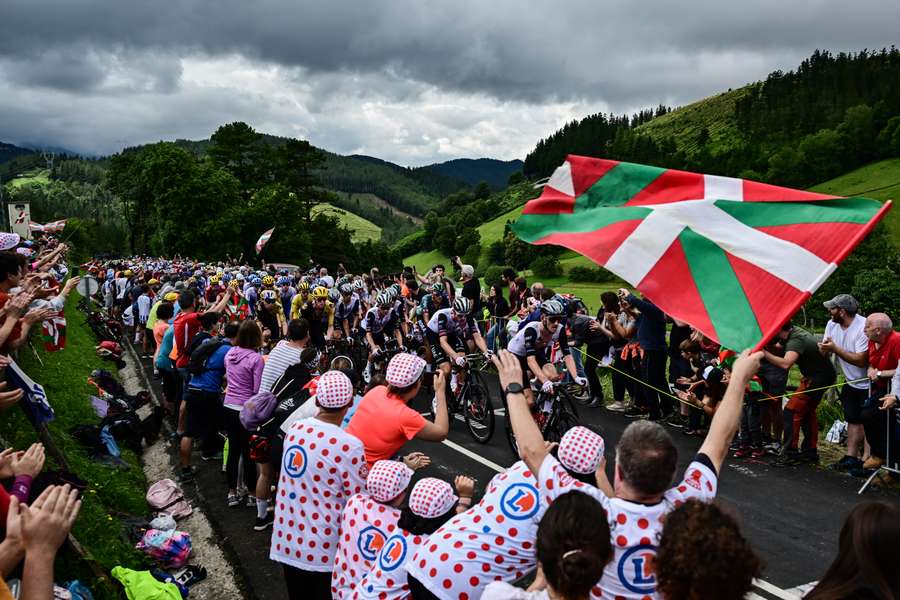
434, 301
286, 295
532, 344
347, 311
319, 311
380, 321
451, 332
300, 299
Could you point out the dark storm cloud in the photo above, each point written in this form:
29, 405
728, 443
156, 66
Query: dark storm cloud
385, 65
528, 50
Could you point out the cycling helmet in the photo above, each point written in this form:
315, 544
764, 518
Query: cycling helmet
239, 276
303, 286
334, 295
128, 273
359, 284
153, 281
320, 292
270, 296
234, 283
384, 300
191, 280
553, 308
396, 287
462, 305
226, 278
284, 280
267, 280
391, 292
214, 279
345, 288
437, 288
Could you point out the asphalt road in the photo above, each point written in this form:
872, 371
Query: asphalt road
792, 515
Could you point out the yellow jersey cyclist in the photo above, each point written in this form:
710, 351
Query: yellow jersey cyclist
319, 312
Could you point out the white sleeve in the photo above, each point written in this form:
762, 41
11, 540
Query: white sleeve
304, 411
553, 481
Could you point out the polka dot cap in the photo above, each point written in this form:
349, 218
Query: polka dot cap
334, 390
580, 450
9, 241
387, 479
404, 370
431, 498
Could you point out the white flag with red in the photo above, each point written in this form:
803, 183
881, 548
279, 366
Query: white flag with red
263, 239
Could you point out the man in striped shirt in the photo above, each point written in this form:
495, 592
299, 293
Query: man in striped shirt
285, 354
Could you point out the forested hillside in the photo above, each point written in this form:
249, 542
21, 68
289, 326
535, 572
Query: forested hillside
473, 171
9, 151
830, 115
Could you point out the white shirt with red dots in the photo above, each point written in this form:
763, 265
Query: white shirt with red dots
634, 528
388, 578
492, 541
365, 525
322, 466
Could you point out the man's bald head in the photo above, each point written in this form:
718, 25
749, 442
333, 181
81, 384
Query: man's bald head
878, 326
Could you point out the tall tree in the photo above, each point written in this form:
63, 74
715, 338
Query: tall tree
238, 148
294, 164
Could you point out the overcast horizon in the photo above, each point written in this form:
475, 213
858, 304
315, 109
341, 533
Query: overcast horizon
410, 82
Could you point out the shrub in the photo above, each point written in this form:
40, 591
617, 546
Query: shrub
587, 274
409, 245
546, 266
493, 275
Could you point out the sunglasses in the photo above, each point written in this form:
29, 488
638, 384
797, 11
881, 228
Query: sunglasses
554, 319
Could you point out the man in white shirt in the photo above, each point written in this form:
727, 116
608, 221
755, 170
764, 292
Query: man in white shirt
646, 459
846, 339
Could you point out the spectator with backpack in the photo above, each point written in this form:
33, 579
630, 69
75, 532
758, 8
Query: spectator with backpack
204, 398
285, 353
243, 369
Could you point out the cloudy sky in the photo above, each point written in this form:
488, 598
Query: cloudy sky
412, 81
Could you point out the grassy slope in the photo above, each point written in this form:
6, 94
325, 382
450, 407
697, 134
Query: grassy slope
879, 180
38, 177
362, 229
64, 377
716, 113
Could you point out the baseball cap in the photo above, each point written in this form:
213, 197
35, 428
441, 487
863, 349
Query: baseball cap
8, 241
581, 450
431, 497
404, 370
334, 390
387, 479
845, 301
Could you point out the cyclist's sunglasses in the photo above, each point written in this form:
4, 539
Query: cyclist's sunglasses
554, 319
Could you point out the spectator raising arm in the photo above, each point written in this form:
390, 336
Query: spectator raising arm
532, 448
728, 415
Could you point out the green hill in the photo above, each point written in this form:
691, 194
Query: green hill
33, 177
879, 180
685, 124
362, 229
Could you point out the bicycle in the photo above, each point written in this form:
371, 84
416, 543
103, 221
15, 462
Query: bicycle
554, 413
472, 399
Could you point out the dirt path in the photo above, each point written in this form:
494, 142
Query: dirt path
208, 551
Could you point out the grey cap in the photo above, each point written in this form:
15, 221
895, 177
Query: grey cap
845, 301
468, 270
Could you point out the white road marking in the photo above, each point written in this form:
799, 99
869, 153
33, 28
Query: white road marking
473, 456
774, 590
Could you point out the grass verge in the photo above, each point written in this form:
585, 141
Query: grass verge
112, 490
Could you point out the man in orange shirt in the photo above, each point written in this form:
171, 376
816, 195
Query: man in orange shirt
384, 421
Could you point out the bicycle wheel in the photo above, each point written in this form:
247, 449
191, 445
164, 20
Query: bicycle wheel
478, 409
563, 418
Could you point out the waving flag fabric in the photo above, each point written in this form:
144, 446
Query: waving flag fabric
263, 239
734, 258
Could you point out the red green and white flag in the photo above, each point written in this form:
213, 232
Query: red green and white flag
734, 258
263, 239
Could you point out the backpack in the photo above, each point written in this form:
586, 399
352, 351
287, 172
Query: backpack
257, 410
165, 496
201, 355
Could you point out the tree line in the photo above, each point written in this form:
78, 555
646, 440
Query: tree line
832, 114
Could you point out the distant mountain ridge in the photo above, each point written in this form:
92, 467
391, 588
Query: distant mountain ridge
475, 170
10, 151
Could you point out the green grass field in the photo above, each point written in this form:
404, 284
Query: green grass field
111, 490
879, 180
362, 229
35, 177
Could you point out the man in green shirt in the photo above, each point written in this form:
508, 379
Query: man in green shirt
801, 349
